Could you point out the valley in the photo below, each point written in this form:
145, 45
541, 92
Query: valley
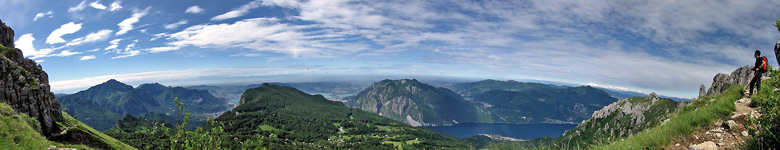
389, 75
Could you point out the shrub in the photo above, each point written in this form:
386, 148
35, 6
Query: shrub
764, 130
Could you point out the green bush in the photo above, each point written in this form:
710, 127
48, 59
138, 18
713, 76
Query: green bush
210, 137
764, 130
777, 24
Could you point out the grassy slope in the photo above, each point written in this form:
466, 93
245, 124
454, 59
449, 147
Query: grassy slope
18, 131
690, 118
84, 134
587, 134
766, 101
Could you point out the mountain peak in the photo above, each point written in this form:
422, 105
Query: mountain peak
152, 86
111, 85
113, 81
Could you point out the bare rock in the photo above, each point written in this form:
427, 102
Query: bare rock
777, 51
709, 145
26, 86
744, 133
6, 35
702, 90
731, 124
741, 76
717, 130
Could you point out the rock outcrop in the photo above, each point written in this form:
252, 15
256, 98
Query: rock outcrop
702, 90
6, 35
25, 86
777, 52
741, 76
623, 118
414, 103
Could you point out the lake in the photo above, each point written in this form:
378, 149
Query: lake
518, 131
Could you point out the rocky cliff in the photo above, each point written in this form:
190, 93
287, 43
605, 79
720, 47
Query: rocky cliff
741, 76
25, 86
623, 118
415, 103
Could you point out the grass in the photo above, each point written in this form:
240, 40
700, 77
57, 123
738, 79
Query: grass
19, 131
94, 138
268, 128
684, 123
764, 129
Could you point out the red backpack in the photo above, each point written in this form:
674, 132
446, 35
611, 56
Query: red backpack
764, 67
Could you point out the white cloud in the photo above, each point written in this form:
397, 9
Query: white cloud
194, 10
265, 34
40, 15
87, 57
162, 49
175, 25
131, 45
247, 54
92, 37
127, 24
115, 6
65, 53
97, 5
238, 12
114, 44
128, 51
25, 43
79, 7
56, 35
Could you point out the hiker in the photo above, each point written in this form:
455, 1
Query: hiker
760, 67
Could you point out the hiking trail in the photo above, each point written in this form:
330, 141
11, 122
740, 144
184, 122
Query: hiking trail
721, 134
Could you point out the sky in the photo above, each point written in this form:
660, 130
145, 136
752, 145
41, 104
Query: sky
665, 46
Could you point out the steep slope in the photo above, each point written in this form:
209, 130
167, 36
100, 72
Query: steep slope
623, 118
19, 131
544, 105
30, 114
101, 105
25, 86
415, 103
291, 119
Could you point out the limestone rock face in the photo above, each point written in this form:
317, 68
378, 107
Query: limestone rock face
702, 90
741, 76
777, 51
25, 86
6, 35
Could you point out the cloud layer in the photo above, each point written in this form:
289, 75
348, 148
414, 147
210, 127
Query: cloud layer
665, 46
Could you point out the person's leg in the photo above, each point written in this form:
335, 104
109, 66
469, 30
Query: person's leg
758, 81
752, 82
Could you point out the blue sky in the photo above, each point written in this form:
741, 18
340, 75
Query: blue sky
669, 47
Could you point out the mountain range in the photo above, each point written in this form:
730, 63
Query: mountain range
101, 105
487, 101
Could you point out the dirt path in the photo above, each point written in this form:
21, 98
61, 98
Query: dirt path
721, 134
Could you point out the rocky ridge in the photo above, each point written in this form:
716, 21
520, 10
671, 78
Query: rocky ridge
25, 86
720, 82
624, 118
414, 103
